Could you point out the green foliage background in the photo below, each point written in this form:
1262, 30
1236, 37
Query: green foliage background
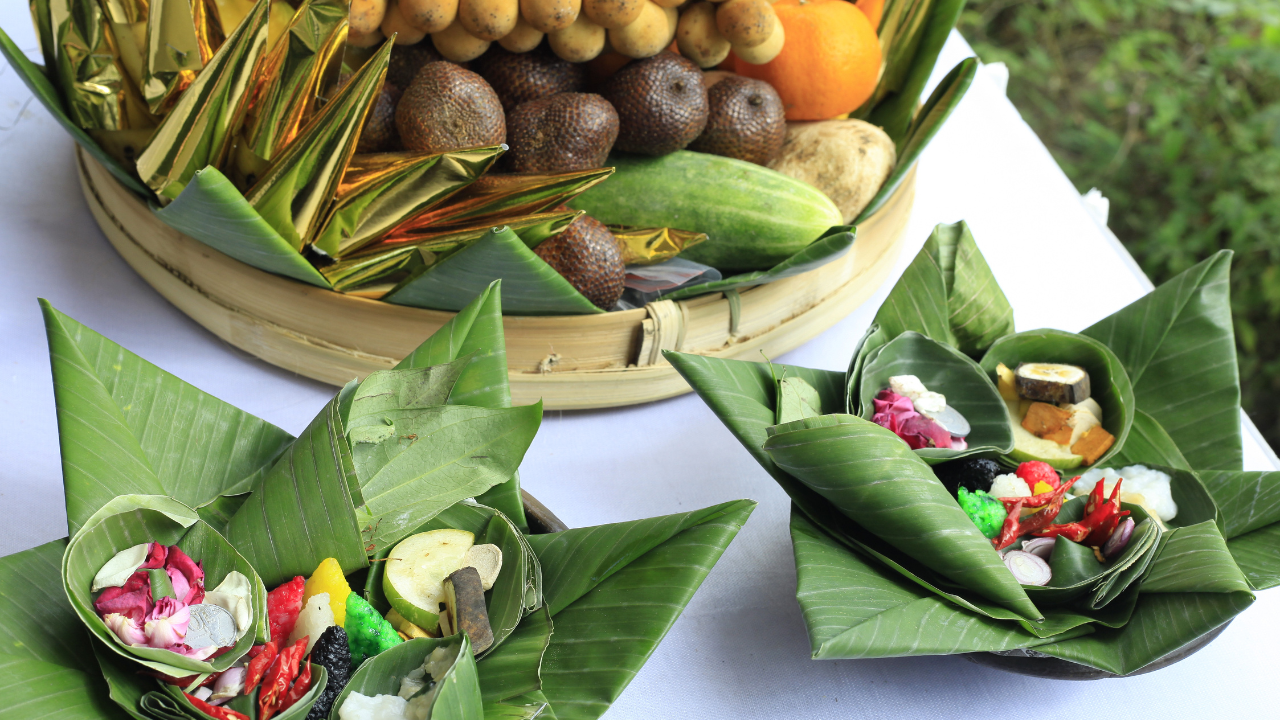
1172, 109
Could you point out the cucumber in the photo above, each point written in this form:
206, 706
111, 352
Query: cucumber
754, 217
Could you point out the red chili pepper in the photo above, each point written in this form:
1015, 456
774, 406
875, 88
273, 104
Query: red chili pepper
1100, 520
276, 682
300, 687
1015, 526
1043, 498
261, 657
215, 711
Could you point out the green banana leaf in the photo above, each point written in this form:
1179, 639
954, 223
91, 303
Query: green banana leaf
133, 519
948, 293
946, 96
942, 369
211, 210
1193, 587
127, 427
1109, 382
530, 706
515, 669
46, 662
1178, 347
1149, 443
853, 609
458, 697
832, 245
245, 704
1249, 507
873, 478
895, 111
477, 331
530, 285
46, 92
614, 591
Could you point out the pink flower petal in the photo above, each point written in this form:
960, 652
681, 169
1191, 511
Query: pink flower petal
155, 557
127, 629
166, 624
178, 562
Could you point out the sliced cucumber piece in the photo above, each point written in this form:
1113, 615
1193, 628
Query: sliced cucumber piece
415, 573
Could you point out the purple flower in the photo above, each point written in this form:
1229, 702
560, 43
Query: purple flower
897, 413
166, 624
126, 628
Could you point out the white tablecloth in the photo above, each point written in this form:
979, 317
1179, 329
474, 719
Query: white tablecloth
739, 650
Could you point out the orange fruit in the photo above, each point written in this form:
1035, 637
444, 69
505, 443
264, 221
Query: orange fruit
829, 64
873, 9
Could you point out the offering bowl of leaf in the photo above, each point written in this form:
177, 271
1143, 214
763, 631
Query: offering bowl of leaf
1073, 569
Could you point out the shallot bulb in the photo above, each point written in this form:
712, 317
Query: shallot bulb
1027, 568
1119, 539
1040, 547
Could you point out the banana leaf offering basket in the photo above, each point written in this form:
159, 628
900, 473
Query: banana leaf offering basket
1048, 503
385, 563
225, 149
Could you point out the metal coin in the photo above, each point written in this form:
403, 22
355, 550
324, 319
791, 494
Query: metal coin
951, 420
210, 626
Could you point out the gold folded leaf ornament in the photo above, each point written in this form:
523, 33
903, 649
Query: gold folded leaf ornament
646, 246
91, 75
199, 129
295, 193
378, 191
293, 73
382, 267
495, 198
173, 52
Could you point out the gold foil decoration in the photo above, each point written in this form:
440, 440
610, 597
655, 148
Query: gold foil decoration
494, 198
94, 84
647, 246
173, 52
296, 192
289, 82
128, 20
375, 276
198, 131
379, 191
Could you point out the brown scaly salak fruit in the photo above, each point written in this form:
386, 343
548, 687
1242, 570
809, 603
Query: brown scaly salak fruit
561, 133
746, 121
407, 60
448, 107
521, 77
661, 104
588, 256
379, 133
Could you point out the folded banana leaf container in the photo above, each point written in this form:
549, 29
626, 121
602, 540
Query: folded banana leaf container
572, 614
891, 564
217, 168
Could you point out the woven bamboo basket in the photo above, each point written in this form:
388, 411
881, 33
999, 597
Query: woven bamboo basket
570, 362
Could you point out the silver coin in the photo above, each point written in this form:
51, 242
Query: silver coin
951, 420
210, 626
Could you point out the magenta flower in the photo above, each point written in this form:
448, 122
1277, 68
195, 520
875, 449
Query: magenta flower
155, 556
896, 413
186, 575
126, 628
196, 654
166, 624
133, 599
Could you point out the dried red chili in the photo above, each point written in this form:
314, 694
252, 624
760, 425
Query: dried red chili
300, 688
1100, 520
1015, 526
261, 657
275, 683
215, 711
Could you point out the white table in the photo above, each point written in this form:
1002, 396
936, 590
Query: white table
739, 650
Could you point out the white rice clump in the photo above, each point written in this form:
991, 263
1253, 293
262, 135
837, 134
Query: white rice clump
1009, 486
378, 707
1152, 485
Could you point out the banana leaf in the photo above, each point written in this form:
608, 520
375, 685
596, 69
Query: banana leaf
895, 110
477, 331
1149, 443
530, 706
244, 704
128, 427
853, 609
1249, 507
515, 669
1109, 382
46, 92
873, 478
942, 369
133, 519
1077, 574
946, 96
1193, 587
1178, 347
832, 245
614, 591
458, 696
530, 285
211, 210
948, 293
